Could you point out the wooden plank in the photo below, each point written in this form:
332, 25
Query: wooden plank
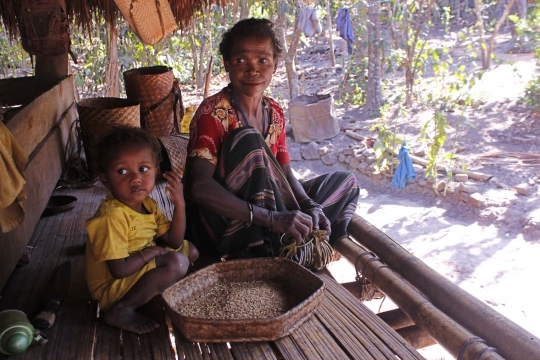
42, 173
32, 124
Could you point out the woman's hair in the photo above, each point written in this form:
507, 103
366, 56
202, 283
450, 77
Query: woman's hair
121, 136
259, 28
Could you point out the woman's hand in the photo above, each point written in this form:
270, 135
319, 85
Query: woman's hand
295, 223
175, 187
320, 221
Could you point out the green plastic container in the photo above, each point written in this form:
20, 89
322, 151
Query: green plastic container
17, 333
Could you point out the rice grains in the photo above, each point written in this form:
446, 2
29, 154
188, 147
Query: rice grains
240, 300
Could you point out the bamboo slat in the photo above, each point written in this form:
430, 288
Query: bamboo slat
289, 349
261, 351
184, 348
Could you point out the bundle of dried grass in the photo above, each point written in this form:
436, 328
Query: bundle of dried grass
86, 14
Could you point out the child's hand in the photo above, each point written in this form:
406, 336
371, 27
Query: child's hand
174, 187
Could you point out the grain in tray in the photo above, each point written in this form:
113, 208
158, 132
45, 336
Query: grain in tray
240, 300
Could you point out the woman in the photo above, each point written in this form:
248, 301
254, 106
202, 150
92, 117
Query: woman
238, 171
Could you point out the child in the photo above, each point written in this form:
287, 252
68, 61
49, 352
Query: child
124, 266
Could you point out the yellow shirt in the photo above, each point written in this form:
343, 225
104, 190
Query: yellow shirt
115, 232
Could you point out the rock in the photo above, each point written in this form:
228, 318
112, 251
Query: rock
329, 158
341, 158
452, 187
323, 150
369, 152
419, 151
354, 163
348, 159
288, 129
466, 188
421, 180
477, 200
461, 177
531, 225
363, 166
371, 159
463, 196
524, 189
295, 155
348, 151
311, 151
441, 186
417, 167
358, 150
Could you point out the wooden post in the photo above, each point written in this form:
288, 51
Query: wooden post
416, 337
511, 340
50, 70
112, 84
396, 318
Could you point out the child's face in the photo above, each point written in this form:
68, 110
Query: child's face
131, 175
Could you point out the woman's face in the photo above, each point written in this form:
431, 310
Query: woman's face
251, 65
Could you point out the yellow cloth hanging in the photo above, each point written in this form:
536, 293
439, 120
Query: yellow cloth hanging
12, 163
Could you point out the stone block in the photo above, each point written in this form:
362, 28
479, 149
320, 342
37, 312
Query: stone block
524, 189
461, 177
477, 200
329, 158
311, 151
368, 152
348, 151
323, 150
463, 196
354, 163
371, 159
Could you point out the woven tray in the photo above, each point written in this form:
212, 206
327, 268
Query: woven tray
305, 285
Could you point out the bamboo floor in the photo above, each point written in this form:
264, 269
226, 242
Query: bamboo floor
342, 328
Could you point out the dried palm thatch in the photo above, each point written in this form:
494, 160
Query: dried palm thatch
85, 14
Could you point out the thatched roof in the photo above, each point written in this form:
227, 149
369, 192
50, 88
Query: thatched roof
83, 13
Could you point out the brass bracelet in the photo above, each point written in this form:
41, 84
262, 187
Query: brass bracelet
142, 255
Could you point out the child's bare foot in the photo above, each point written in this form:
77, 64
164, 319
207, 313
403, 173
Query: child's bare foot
126, 318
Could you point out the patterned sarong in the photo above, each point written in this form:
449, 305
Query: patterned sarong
248, 169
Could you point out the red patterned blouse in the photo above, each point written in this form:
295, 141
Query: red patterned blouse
215, 117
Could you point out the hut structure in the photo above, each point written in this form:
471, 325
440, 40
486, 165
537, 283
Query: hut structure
40, 112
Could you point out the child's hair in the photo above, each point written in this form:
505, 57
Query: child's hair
119, 137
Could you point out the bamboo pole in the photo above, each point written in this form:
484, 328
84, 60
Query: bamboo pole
512, 341
416, 337
448, 333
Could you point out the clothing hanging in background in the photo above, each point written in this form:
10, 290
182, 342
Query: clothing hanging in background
344, 26
308, 21
12, 163
405, 170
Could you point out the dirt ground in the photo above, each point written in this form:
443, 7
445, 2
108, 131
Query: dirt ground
492, 252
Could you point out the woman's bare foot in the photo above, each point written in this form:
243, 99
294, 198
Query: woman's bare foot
126, 318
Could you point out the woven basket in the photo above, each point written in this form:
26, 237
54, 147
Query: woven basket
175, 153
305, 285
158, 92
99, 115
151, 20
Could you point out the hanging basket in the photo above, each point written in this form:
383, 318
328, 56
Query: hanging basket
99, 115
158, 92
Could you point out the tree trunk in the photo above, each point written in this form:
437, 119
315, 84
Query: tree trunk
289, 52
330, 34
195, 57
244, 12
374, 97
480, 26
112, 83
235, 11
487, 50
520, 7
